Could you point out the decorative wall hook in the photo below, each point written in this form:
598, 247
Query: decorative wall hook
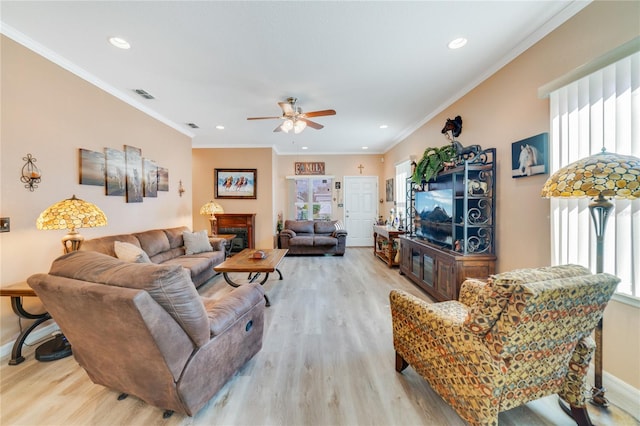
31, 175
181, 189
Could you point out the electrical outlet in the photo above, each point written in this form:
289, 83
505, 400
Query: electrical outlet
5, 224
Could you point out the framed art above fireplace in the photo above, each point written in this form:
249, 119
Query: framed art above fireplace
235, 183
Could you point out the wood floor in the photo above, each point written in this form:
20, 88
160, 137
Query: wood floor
327, 359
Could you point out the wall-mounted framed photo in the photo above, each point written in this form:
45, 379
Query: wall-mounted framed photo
530, 156
389, 189
91, 167
133, 159
235, 183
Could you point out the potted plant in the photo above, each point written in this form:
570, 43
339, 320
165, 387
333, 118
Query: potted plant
432, 162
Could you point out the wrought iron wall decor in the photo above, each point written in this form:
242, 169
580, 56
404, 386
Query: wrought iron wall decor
31, 175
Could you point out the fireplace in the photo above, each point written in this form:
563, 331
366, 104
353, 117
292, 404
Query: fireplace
241, 224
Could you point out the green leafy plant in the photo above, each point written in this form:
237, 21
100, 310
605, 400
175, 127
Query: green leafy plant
432, 162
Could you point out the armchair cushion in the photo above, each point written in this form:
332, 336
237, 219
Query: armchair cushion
169, 285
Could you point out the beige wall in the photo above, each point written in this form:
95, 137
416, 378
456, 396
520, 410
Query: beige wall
205, 160
51, 113
504, 109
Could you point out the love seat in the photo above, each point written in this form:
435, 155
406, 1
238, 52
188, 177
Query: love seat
523, 335
313, 237
142, 328
167, 247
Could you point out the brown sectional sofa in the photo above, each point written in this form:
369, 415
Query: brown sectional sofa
142, 328
166, 247
313, 237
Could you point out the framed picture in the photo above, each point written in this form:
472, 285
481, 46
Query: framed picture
115, 172
235, 183
163, 179
530, 156
150, 178
91, 167
133, 158
389, 183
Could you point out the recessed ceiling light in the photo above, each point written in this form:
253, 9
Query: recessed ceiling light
304, 147
383, 126
365, 147
120, 43
457, 43
220, 127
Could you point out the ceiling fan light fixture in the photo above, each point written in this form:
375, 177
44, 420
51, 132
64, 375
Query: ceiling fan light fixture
287, 125
299, 126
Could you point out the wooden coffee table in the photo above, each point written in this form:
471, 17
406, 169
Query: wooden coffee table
244, 262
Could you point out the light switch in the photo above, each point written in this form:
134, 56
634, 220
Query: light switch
5, 224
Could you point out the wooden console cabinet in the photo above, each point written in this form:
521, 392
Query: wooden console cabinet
439, 271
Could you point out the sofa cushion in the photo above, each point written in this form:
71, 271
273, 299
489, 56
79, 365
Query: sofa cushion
153, 242
320, 240
105, 245
169, 285
197, 263
130, 253
175, 236
324, 226
196, 242
299, 226
302, 241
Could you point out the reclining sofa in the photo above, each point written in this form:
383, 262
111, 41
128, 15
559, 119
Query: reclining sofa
522, 335
313, 237
167, 247
142, 329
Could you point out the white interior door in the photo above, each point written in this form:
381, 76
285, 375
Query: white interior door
360, 209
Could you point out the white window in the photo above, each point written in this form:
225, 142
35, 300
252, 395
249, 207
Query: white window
403, 172
310, 198
601, 109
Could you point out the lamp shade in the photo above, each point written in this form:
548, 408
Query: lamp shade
601, 175
70, 214
211, 208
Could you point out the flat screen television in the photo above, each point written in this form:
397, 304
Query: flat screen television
433, 216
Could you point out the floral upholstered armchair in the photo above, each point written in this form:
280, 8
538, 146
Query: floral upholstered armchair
522, 335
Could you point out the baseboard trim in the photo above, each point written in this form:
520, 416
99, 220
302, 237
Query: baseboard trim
34, 337
619, 393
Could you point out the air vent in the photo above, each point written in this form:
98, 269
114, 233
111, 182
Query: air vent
144, 94
193, 125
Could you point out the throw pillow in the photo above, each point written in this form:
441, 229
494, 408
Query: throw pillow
130, 253
339, 225
196, 242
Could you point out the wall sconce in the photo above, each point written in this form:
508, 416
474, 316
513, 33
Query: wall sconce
181, 189
31, 175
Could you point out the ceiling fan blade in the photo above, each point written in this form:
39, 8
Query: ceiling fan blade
278, 129
287, 108
262, 118
320, 113
313, 124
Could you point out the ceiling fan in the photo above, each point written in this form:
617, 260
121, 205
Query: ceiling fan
294, 118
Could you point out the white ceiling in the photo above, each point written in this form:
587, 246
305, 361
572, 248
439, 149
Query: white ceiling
217, 63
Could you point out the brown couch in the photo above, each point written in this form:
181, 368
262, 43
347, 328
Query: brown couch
313, 237
142, 329
166, 246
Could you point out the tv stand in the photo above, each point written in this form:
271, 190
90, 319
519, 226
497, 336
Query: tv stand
440, 271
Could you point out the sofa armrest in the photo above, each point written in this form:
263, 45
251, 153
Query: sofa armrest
218, 244
225, 312
287, 233
576, 379
338, 233
469, 291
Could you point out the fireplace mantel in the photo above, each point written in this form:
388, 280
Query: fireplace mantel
246, 221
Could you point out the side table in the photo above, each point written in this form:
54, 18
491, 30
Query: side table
53, 349
385, 245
